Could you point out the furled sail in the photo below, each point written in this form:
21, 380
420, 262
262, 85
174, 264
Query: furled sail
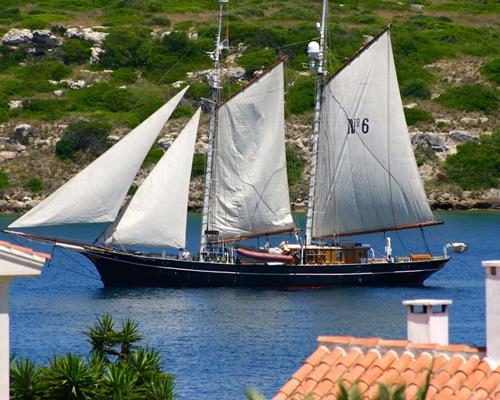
157, 214
250, 188
96, 193
367, 178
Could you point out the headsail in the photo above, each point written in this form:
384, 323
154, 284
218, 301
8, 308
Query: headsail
96, 193
250, 188
157, 214
367, 178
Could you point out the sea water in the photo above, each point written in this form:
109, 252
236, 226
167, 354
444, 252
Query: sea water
219, 341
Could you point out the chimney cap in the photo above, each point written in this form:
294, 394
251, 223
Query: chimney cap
490, 263
427, 302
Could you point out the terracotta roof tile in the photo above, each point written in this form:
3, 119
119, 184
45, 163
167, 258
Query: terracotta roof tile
457, 371
350, 358
316, 357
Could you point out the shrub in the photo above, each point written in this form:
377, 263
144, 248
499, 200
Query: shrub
417, 88
471, 98
34, 185
154, 155
103, 96
117, 368
47, 110
198, 90
4, 180
122, 47
253, 61
44, 70
491, 70
300, 97
123, 75
294, 165
416, 115
83, 135
182, 111
76, 51
476, 166
198, 169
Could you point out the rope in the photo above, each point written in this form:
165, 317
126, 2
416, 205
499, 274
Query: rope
92, 275
425, 241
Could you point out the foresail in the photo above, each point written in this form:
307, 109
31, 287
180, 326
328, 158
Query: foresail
157, 214
367, 178
250, 188
96, 193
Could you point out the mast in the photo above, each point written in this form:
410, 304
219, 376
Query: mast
215, 82
316, 52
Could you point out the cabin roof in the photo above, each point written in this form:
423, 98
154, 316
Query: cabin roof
457, 371
13, 248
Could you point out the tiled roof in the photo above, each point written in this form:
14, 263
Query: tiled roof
15, 248
457, 371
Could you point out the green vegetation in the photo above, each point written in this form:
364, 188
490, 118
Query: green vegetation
117, 368
424, 154
471, 98
294, 165
417, 88
491, 70
476, 165
154, 155
198, 168
183, 111
257, 60
34, 185
123, 76
4, 180
414, 116
83, 135
76, 51
145, 62
300, 97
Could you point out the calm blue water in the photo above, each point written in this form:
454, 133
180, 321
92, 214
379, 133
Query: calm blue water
220, 341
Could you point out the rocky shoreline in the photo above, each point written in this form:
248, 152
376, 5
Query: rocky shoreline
29, 151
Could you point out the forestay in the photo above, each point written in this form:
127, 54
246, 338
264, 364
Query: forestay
367, 177
157, 214
250, 187
96, 193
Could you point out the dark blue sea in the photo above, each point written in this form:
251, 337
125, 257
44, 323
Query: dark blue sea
220, 341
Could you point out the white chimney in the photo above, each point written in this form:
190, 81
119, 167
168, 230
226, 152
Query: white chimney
492, 272
427, 320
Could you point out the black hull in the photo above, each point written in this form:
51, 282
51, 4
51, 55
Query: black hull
127, 270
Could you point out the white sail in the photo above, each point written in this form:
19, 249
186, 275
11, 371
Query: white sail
250, 187
157, 214
96, 193
367, 177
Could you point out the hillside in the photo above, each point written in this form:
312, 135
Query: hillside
111, 63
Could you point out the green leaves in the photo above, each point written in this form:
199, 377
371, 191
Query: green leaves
117, 369
476, 165
25, 380
471, 98
69, 377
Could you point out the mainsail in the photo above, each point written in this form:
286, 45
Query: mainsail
367, 178
250, 188
96, 193
157, 214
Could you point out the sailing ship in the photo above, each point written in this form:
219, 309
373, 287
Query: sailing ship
364, 179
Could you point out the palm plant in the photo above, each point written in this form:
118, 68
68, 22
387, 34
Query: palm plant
127, 337
69, 377
25, 380
116, 369
161, 388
